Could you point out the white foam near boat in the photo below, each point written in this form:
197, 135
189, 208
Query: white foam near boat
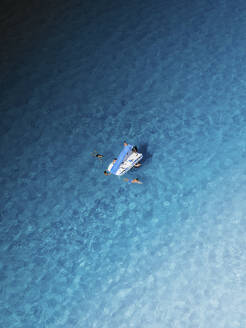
125, 161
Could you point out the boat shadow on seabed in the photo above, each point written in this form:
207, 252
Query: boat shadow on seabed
143, 148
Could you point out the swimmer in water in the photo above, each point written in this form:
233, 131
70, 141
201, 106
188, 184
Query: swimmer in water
95, 154
133, 181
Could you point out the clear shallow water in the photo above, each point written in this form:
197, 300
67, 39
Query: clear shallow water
79, 249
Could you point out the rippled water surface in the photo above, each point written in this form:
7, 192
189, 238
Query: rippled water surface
79, 249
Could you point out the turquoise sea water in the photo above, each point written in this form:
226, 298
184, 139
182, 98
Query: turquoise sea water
79, 249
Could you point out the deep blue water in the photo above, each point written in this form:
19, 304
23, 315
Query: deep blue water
79, 249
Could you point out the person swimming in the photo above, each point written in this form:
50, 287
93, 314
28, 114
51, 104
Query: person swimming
133, 181
95, 154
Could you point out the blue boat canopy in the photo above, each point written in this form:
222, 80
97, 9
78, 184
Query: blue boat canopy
120, 158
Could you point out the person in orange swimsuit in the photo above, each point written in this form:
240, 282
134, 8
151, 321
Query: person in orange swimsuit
133, 181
